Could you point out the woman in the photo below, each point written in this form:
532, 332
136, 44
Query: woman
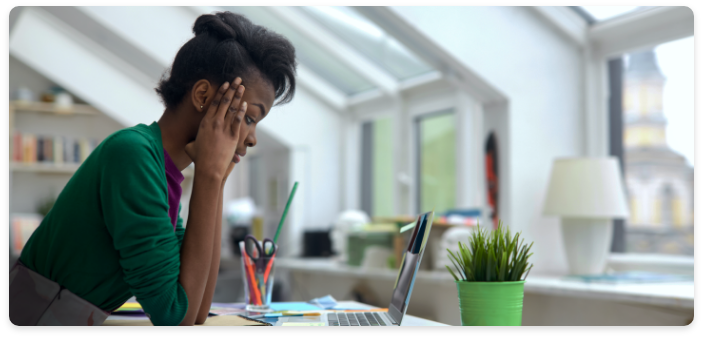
114, 230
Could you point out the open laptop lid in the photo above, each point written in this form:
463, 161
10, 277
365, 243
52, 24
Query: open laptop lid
408, 267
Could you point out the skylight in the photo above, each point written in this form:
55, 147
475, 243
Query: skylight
370, 40
601, 13
309, 53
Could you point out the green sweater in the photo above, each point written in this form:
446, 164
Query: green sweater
109, 235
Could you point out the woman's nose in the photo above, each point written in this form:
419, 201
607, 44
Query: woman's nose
251, 140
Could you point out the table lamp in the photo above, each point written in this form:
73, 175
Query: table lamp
587, 193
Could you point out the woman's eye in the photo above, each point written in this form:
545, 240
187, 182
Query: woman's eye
249, 120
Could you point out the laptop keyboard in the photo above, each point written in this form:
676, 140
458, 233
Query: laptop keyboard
355, 319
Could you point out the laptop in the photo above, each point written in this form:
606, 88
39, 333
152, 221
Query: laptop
401, 291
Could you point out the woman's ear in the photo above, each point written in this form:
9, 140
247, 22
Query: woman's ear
200, 95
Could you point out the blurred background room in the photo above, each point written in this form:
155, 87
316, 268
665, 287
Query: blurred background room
399, 111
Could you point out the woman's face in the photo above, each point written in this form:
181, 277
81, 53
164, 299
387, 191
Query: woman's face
259, 96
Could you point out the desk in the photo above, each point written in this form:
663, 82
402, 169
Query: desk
351, 305
408, 320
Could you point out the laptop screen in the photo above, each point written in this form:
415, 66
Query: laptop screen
409, 266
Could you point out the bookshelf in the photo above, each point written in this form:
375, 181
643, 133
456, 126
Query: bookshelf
66, 168
50, 108
30, 180
44, 168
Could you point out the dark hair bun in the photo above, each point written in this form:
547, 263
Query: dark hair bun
227, 45
214, 25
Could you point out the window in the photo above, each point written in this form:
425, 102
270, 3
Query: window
436, 149
370, 40
309, 54
377, 167
652, 132
600, 13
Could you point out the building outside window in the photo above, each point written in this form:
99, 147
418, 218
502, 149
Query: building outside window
657, 111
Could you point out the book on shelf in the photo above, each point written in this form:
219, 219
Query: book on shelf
39, 149
30, 148
17, 152
21, 228
84, 149
58, 150
48, 149
68, 149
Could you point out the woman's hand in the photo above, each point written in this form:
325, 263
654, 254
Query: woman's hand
191, 152
218, 136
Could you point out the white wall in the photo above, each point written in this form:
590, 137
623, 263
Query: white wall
539, 71
22, 75
312, 130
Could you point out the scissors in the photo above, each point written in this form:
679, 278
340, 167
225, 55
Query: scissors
259, 253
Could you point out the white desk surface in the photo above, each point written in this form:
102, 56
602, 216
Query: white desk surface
408, 320
672, 294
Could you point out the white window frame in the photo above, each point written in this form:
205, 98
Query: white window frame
611, 38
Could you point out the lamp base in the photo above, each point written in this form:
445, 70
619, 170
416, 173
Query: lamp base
587, 243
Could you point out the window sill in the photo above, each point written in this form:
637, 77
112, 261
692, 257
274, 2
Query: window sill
670, 264
676, 294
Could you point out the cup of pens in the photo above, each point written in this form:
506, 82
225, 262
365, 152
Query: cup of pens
257, 265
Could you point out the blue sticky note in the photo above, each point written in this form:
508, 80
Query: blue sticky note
293, 306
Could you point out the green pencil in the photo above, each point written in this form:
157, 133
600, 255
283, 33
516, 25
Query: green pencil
285, 211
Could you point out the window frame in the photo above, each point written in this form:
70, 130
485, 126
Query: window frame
615, 91
615, 118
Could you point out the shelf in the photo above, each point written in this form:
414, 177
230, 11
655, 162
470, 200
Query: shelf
50, 108
44, 168
66, 168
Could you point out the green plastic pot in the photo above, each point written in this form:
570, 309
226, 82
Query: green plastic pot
491, 303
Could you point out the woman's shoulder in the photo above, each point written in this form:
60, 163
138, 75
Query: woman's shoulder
131, 144
132, 138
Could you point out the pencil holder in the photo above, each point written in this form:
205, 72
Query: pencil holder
258, 273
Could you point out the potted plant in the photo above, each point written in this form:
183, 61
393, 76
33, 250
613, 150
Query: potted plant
490, 277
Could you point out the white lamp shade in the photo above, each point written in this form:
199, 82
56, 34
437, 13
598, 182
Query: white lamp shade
586, 188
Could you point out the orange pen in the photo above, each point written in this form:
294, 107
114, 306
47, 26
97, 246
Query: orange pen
252, 278
268, 268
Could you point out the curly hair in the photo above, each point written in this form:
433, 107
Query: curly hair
227, 45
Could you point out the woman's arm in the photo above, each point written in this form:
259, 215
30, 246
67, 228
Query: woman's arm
215, 146
215, 263
196, 251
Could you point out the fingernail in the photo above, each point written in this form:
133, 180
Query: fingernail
225, 85
241, 89
238, 80
244, 106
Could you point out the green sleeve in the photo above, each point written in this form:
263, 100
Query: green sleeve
134, 202
180, 230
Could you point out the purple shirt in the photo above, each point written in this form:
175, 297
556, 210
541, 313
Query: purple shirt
174, 177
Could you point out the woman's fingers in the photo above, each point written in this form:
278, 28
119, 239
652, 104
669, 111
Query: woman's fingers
234, 106
228, 99
216, 101
237, 121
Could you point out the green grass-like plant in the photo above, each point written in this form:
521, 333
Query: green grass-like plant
491, 256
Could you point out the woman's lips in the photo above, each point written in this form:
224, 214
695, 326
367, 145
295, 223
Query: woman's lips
237, 158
